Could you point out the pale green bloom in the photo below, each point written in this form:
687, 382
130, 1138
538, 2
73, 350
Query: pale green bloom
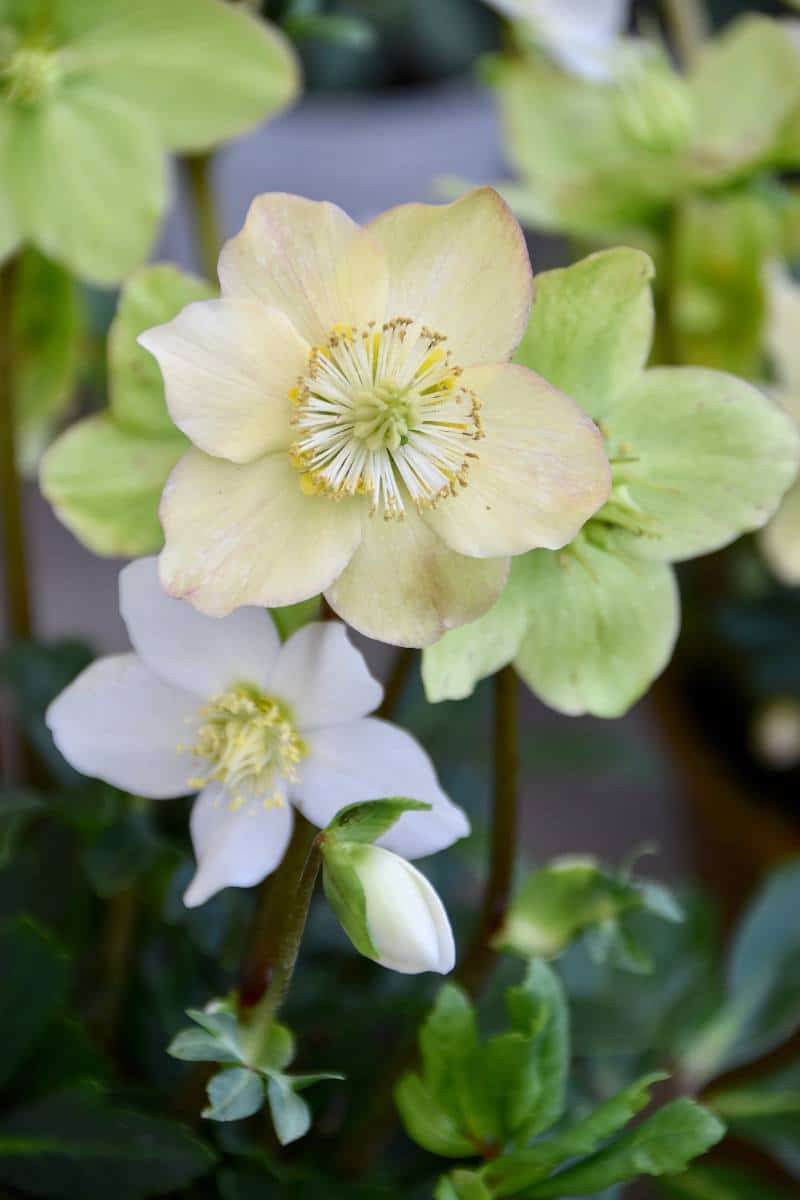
697, 457
105, 475
595, 157
780, 540
357, 427
93, 92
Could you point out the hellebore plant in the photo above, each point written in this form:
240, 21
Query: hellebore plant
780, 539
357, 429
93, 94
223, 709
698, 457
104, 476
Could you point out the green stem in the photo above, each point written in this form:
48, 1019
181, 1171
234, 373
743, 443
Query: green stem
198, 168
15, 571
116, 954
277, 931
480, 956
396, 683
689, 25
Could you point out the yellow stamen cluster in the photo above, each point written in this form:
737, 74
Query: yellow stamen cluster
250, 744
381, 413
27, 74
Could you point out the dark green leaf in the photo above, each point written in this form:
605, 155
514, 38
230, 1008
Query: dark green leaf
17, 807
663, 1145
34, 974
427, 1123
462, 1185
538, 1010
234, 1094
122, 853
75, 1143
707, 1182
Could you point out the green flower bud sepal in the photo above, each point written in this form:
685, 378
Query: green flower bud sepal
386, 907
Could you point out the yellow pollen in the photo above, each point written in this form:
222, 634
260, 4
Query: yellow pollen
381, 413
249, 743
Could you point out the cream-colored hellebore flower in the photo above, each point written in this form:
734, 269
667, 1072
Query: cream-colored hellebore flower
581, 35
357, 427
780, 539
221, 707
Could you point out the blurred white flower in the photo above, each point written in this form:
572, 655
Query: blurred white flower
388, 909
581, 35
780, 538
221, 707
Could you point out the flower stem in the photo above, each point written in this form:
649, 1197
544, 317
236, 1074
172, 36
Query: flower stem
198, 168
116, 953
277, 930
15, 571
479, 956
688, 23
396, 682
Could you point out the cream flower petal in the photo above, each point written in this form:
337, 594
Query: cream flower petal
235, 845
461, 268
324, 679
541, 470
369, 760
248, 535
119, 722
200, 654
780, 539
228, 368
307, 259
406, 587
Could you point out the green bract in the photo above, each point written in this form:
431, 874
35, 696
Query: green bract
105, 475
92, 92
698, 457
595, 157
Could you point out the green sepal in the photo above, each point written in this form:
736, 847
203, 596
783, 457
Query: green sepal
292, 617
591, 326
367, 821
46, 334
345, 893
104, 476
560, 901
664, 1144
291, 1116
234, 1094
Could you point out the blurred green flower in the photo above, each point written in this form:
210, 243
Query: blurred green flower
697, 458
92, 92
105, 475
595, 157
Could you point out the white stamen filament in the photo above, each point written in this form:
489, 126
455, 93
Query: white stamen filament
381, 414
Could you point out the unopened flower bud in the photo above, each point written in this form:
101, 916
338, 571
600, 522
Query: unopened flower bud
388, 909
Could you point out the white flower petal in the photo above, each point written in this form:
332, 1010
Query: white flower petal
324, 679
406, 920
307, 259
235, 846
247, 534
119, 722
203, 655
228, 368
370, 760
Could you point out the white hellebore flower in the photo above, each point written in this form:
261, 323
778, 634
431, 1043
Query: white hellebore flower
780, 538
357, 427
581, 35
388, 909
221, 707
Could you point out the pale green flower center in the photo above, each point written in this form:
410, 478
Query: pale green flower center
622, 510
250, 744
381, 413
27, 73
